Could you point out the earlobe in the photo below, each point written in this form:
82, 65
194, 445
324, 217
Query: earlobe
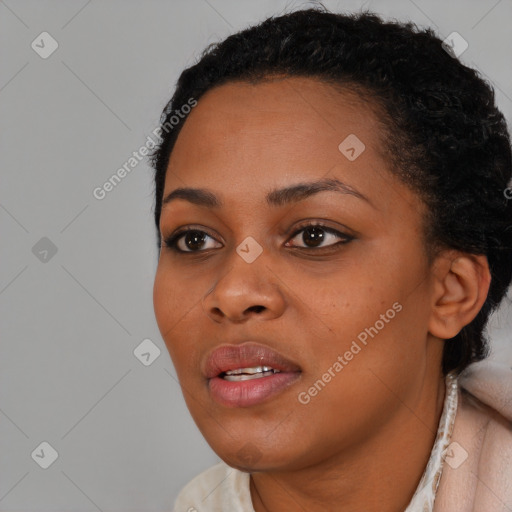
461, 284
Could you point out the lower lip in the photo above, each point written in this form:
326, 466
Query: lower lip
247, 393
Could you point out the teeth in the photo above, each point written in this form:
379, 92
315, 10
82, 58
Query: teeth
250, 371
249, 377
256, 372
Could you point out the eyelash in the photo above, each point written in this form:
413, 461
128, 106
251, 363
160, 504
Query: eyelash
172, 241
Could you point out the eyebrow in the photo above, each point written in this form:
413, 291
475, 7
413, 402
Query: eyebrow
277, 197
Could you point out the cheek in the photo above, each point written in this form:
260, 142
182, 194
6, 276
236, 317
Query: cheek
171, 301
374, 317
178, 304
164, 297
173, 295
342, 304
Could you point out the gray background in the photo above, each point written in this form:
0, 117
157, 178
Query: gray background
71, 321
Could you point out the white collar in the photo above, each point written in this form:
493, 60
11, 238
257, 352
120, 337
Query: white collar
425, 495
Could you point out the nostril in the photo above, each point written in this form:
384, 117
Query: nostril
257, 309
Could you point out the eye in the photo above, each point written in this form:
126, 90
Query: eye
317, 236
311, 235
191, 240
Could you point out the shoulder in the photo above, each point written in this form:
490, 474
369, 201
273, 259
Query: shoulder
491, 383
220, 487
477, 470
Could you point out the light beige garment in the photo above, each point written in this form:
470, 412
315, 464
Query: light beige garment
483, 430
476, 475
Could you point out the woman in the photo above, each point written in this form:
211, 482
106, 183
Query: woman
334, 233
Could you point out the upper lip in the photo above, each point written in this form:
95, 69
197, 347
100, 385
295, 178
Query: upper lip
246, 355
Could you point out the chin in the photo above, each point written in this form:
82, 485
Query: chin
261, 465
247, 457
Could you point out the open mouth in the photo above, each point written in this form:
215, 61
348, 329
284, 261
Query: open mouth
256, 372
248, 374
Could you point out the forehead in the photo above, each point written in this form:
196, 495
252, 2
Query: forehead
283, 126
305, 104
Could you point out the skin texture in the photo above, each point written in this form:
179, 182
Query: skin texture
363, 441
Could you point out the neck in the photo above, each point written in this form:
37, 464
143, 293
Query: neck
380, 473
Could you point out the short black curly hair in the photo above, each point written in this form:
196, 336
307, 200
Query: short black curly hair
444, 136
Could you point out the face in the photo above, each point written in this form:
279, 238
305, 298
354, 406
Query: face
302, 253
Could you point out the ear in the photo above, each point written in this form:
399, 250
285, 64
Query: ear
461, 284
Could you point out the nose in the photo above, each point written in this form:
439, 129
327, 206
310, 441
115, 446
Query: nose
244, 291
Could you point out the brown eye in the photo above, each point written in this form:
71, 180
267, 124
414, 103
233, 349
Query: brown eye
194, 240
315, 236
191, 240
